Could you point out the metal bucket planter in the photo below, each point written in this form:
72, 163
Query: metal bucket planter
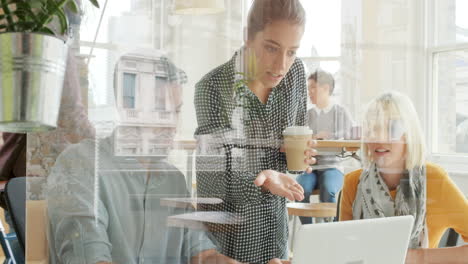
32, 68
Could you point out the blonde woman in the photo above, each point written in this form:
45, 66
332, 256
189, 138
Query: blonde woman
397, 180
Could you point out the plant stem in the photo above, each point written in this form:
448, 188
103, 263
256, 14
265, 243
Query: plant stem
50, 15
6, 10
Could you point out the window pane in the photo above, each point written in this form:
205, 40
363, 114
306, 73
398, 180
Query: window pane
451, 22
461, 20
129, 80
322, 36
160, 93
451, 126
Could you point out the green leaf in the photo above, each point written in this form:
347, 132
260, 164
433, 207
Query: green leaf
63, 21
95, 3
73, 7
37, 15
26, 26
28, 10
55, 9
9, 18
20, 12
35, 4
47, 30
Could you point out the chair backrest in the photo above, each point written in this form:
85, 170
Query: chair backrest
15, 196
36, 226
338, 204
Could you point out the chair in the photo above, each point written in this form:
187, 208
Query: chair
35, 224
338, 202
452, 238
5, 241
15, 196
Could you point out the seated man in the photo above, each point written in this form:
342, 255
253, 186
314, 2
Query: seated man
115, 215
328, 120
105, 208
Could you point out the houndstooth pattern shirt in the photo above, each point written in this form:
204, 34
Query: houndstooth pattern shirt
238, 136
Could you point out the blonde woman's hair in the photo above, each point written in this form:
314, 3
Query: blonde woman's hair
397, 108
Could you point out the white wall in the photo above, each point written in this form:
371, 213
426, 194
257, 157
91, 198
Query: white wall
382, 48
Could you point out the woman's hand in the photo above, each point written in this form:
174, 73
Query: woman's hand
280, 184
310, 153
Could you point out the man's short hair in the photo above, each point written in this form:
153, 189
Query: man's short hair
322, 77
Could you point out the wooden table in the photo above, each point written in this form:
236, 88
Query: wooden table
188, 202
323, 210
350, 145
211, 221
342, 148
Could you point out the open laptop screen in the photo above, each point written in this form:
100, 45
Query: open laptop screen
369, 241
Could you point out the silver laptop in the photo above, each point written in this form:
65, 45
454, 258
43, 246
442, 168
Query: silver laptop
369, 241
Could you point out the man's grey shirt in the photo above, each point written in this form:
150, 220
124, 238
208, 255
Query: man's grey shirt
335, 120
114, 213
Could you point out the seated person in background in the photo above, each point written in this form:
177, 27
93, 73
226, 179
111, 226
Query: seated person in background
105, 208
397, 180
328, 120
114, 215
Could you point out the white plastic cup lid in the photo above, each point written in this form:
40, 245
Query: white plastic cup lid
297, 131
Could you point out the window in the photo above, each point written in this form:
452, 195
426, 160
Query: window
129, 150
160, 93
129, 83
450, 95
448, 107
321, 45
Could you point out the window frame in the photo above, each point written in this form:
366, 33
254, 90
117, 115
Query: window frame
135, 106
455, 161
164, 91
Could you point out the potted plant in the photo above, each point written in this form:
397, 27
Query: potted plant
33, 55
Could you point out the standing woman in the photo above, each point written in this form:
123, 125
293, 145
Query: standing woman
242, 107
397, 180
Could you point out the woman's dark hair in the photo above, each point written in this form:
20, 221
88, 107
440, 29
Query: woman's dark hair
264, 12
322, 77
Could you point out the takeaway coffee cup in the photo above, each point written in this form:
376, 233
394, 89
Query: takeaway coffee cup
295, 143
